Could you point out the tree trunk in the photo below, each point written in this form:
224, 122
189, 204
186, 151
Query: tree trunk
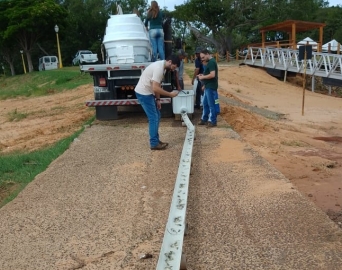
9, 60
42, 49
29, 61
12, 68
221, 45
202, 37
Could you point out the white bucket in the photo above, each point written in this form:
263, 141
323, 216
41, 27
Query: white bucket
184, 102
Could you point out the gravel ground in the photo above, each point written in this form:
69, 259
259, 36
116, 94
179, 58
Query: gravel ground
105, 202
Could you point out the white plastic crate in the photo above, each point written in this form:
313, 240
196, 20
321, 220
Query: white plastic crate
184, 102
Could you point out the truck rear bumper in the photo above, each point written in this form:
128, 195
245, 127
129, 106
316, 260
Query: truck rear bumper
119, 102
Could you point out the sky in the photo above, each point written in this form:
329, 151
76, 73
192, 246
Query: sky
171, 3
331, 2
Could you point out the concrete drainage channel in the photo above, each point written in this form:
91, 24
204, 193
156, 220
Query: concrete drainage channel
171, 256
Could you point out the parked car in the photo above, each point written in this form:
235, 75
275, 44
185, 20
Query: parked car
48, 62
85, 57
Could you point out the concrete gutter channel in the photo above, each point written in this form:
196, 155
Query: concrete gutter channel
104, 203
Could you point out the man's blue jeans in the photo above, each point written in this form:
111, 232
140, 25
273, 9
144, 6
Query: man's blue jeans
209, 109
157, 41
217, 103
199, 93
153, 115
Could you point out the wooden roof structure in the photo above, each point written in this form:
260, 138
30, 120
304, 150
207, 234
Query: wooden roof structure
292, 27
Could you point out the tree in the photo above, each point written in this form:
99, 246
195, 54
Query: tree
227, 24
9, 52
332, 16
29, 21
9, 49
215, 22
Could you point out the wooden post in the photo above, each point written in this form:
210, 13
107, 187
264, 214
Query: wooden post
338, 48
294, 43
237, 55
216, 56
320, 39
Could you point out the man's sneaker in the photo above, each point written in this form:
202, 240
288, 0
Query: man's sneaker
210, 125
164, 143
202, 123
160, 146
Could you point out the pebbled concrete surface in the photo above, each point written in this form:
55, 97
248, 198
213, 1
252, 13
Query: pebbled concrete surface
105, 201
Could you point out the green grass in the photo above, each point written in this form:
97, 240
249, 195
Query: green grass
40, 83
16, 116
293, 143
20, 168
190, 71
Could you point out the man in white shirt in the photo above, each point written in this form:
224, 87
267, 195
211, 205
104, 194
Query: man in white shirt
148, 91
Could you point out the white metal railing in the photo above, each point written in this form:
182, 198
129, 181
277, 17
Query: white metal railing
321, 64
170, 256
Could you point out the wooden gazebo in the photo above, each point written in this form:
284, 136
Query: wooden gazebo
291, 27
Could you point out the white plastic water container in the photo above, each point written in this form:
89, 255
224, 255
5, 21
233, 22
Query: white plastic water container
126, 40
184, 102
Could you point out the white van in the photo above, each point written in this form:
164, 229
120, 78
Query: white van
48, 62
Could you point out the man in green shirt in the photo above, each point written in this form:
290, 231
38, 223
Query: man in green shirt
210, 81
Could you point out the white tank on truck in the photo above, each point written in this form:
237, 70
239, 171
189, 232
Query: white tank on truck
126, 40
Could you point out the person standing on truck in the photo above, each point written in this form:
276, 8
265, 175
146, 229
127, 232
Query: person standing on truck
148, 91
155, 16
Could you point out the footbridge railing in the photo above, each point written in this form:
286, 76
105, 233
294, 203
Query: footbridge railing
321, 64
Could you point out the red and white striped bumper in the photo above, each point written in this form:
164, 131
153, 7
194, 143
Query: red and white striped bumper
119, 102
